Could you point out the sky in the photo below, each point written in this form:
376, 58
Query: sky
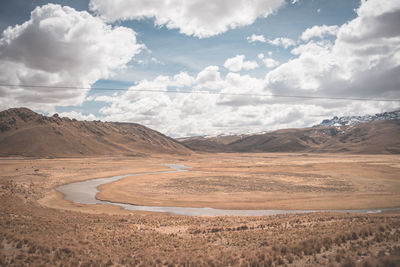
189, 68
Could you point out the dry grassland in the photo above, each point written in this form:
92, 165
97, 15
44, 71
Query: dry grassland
268, 181
39, 228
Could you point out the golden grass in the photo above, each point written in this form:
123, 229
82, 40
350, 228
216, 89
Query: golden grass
268, 181
38, 228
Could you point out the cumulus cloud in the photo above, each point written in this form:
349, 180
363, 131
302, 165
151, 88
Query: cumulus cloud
78, 115
198, 18
282, 41
319, 31
270, 62
239, 109
256, 38
238, 63
183, 79
209, 77
241, 90
60, 46
364, 61
189, 114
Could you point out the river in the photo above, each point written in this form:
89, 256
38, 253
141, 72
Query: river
85, 192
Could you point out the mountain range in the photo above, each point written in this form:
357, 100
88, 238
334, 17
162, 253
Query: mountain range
376, 134
26, 133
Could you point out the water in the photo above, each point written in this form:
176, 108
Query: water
85, 193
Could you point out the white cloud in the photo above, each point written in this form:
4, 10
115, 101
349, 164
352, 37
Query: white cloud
238, 63
155, 60
210, 78
282, 41
185, 114
270, 63
151, 60
244, 85
198, 18
256, 38
319, 31
209, 74
60, 46
260, 56
183, 79
78, 115
364, 61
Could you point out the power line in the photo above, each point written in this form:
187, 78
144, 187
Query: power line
202, 92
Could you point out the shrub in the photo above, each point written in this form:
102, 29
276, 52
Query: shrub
348, 262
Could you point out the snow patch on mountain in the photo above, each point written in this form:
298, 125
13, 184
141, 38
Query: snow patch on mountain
352, 120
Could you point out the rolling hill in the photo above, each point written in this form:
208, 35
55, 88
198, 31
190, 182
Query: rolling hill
381, 136
26, 133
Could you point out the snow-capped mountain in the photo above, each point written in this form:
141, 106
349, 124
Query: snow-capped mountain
351, 120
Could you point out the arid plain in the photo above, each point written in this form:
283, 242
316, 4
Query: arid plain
39, 227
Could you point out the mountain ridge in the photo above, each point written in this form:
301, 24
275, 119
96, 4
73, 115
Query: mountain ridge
379, 135
352, 120
24, 132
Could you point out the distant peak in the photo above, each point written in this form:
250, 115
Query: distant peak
352, 120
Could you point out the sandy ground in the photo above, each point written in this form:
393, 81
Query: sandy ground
268, 181
39, 228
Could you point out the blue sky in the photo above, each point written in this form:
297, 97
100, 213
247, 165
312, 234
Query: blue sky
206, 48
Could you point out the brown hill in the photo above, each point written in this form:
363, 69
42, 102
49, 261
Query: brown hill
377, 137
26, 133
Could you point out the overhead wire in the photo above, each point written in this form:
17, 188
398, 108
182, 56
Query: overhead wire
203, 92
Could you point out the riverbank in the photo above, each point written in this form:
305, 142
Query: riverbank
268, 182
85, 192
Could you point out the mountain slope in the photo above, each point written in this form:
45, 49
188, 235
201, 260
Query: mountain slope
373, 137
376, 137
26, 133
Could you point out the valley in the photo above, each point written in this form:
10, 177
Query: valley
39, 227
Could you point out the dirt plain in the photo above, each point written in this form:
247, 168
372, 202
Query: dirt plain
39, 228
268, 181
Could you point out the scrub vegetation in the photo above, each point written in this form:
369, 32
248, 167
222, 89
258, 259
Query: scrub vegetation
39, 228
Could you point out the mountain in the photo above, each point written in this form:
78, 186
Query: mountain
210, 144
26, 133
375, 137
351, 120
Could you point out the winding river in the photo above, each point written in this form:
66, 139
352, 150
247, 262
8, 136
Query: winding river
85, 192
